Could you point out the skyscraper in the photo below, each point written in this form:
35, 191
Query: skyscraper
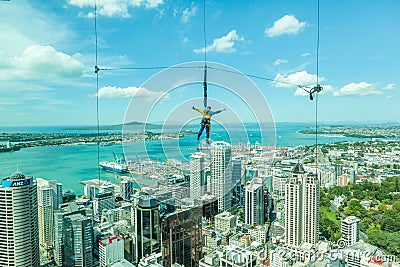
254, 203
181, 237
293, 207
301, 208
146, 227
221, 174
78, 241
197, 175
310, 215
59, 228
49, 198
19, 231
237, 192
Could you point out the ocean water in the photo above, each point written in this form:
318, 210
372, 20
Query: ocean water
74, 163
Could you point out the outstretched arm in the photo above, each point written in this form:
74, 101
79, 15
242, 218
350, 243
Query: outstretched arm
199, 110
216, 112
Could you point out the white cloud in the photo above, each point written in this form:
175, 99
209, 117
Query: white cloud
302, 78
185, 40
390, 86
128, 92
188, 13
305, 54
114, 8
38, 62
280, 61
288, 24
224, 44
358, 89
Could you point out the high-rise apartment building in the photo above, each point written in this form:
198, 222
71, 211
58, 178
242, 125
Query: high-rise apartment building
197, 175
49, 195
221, 174
254, 203
111, 250
181, 237
350, 230
19, 231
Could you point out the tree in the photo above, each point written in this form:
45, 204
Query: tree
396, 206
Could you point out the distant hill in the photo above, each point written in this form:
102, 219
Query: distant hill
134, 125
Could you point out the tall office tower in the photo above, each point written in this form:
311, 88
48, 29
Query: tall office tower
78, 241
237, 181
301, 208
49, 198
221, 174
19, 231
90, 191
350, 230
146, 227
181, 237
254, 203
338, 170
105, 201
293, 207
310, 216
111, 250
126, 189
59, 224
197, 175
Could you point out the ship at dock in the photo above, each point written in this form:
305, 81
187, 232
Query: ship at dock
119, 165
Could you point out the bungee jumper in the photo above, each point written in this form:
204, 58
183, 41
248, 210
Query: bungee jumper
206, 121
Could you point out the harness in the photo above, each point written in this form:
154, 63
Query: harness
205, 121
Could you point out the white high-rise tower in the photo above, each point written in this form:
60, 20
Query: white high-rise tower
254, 203
293, 207
350, 230
221, 174
197, 175
19, 232
310, 213
301, 208
49, 198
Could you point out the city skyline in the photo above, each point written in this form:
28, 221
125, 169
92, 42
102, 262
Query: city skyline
48, 60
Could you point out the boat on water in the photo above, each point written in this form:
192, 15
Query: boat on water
119, 165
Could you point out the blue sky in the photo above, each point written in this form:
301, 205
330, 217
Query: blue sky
47, 59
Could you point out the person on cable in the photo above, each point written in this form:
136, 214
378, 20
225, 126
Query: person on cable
206, 120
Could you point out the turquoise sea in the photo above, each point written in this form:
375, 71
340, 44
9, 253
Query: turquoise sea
74, 163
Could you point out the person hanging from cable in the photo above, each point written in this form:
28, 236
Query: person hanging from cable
206, 121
